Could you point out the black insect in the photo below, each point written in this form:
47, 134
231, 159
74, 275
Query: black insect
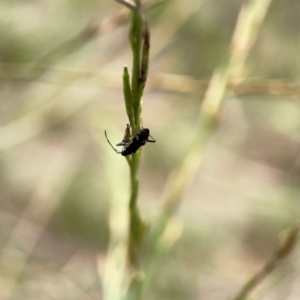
132, 143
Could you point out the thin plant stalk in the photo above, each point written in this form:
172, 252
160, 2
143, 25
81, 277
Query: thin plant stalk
140, 44
136, 38
282, 253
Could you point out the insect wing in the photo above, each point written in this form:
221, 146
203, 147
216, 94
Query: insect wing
126, 137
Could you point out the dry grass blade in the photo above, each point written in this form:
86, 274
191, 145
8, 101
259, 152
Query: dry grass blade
255, 11
215, 94
188, 85
282, 253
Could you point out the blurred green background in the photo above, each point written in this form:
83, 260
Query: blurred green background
61, 68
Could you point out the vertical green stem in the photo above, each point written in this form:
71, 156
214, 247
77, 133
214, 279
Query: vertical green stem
136, 224
128, 99
140, 44
135, 219
136, 231
136, 30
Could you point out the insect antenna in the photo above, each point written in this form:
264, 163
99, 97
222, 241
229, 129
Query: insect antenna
111, 144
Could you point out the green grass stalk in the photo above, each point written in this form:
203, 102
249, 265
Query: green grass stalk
136, 39
128, 99
140, 44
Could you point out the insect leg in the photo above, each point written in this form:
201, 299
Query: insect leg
151, 141
110, 143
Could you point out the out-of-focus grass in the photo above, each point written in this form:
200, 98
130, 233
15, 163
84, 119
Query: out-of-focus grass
243, 195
